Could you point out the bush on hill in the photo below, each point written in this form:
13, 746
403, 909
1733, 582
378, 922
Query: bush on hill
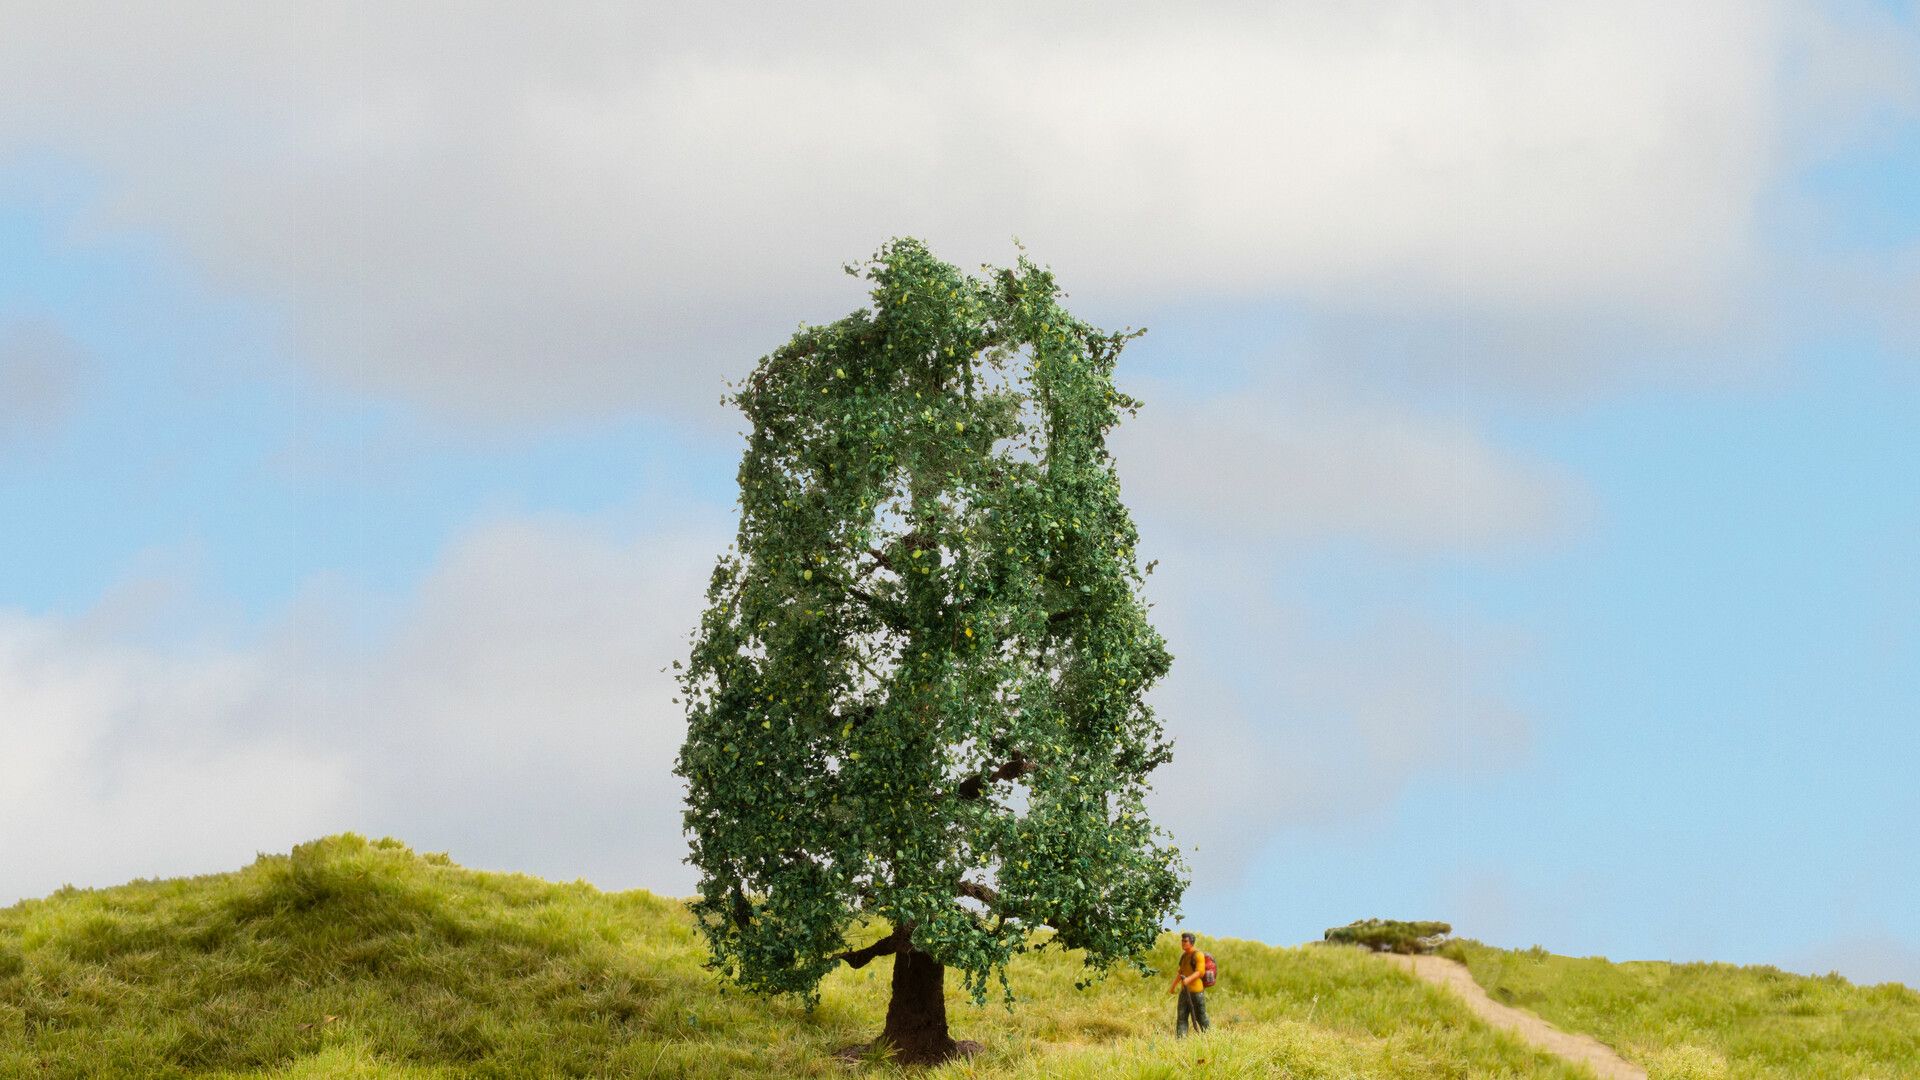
1391, 935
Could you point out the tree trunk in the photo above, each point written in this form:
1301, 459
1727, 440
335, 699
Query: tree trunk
917, 1016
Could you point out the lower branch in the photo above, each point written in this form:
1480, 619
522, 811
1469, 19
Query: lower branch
886, 946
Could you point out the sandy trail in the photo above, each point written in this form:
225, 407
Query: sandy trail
1582, 1049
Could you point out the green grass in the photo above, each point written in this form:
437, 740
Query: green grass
1713, 1021
352, 958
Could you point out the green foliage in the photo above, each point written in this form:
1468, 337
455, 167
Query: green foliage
1391, 935
920, 673
352, 959
1713, 1021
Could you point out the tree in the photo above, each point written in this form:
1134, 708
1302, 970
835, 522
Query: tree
914, 700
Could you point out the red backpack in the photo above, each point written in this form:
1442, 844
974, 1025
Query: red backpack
1211, 973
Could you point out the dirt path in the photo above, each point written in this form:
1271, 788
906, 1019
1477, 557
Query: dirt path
1582, 1049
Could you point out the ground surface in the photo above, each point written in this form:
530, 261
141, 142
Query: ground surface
358, 959
352, 958
1581, 1049
1704, 1021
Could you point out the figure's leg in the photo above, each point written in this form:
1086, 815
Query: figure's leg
1200, 1011
1186, 1009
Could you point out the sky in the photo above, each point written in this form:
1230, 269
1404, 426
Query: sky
1531, 448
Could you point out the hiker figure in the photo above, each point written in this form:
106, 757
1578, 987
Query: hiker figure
1191, 982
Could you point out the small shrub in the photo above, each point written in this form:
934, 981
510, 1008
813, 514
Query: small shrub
1391, 935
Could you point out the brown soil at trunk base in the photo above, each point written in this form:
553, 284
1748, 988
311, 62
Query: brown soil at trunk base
875, 1050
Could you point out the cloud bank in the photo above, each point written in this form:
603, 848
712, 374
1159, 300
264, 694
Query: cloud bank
514, 712
514, 707
605, 208
1275, 468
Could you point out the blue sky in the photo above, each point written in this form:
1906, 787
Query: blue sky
1725, 672
1530, 447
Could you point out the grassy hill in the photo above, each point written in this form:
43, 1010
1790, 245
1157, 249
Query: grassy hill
351, 958
1712, 1021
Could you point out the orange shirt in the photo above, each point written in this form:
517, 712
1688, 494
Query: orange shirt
1193, 971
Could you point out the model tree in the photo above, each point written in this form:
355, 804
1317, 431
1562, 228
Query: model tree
914, 701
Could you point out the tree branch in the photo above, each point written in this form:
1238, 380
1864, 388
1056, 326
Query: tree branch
984, 893
857, 718
889, 613
1016, 767
886, 946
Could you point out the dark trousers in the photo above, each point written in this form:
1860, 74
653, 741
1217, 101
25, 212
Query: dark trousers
1193, 1003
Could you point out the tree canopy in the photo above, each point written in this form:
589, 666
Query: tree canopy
915, 698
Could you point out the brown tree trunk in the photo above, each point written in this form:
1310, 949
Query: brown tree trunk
917, 1016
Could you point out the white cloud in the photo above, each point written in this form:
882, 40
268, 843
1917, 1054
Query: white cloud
515, 216
1858, 76
1284, 717
41, 372
1277, 464
513, 709
515, 712
123, 761
1288, 709
520, 714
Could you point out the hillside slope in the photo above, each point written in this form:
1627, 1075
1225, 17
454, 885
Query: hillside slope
351, 958
1713, 1021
